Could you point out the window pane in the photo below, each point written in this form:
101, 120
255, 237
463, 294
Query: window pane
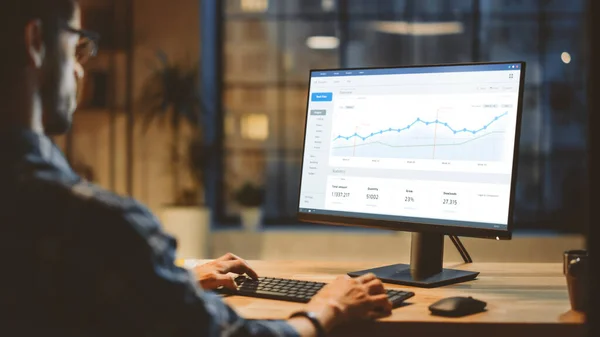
565, 85
389, 43
517, 39
423, 10
529, 6
281, 186
510, 6
565, 100
512, 39
243, 166
561, 6
251, 54
308, 45
550, 179
251, 117
307, 6
362, 8
409, 32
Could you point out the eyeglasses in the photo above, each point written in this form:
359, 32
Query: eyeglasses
87, 47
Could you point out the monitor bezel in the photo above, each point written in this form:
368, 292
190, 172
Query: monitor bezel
408, 226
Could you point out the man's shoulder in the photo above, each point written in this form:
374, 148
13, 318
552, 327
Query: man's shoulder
100, 197
109, 206
79, 194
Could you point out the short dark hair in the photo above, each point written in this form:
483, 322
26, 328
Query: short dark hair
14, 15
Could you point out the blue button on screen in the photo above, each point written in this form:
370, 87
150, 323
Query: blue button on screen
322, 97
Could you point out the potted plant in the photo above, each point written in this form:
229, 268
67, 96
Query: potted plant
171, 97
250, 198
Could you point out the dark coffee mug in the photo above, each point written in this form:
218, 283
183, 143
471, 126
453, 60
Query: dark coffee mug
575, 268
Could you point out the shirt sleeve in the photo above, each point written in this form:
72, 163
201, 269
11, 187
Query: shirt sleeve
139, 289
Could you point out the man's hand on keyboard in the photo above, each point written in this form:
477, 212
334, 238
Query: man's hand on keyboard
222, 271
347, 299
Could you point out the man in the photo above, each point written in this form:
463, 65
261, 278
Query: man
80, 261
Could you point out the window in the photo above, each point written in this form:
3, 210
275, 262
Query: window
269, 47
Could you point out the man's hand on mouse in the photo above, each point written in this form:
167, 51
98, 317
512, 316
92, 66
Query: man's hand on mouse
222, 272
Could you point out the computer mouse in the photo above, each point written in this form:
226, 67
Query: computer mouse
457, 306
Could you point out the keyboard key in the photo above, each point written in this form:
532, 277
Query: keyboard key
264, 292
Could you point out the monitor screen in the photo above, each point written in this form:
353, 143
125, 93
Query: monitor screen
426, 146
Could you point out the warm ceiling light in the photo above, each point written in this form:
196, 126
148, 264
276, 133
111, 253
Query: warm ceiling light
328, 5
322, 42
565, 57
254, 6
420, 28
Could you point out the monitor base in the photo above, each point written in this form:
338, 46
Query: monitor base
401, 274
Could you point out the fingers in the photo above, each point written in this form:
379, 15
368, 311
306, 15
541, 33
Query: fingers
380, 304
228, 257
342, 278
226, 280
366, 278
375, 287
239, 267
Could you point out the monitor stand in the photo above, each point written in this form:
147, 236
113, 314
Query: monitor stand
426, 266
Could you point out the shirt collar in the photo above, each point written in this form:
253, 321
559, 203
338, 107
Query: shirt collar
32, 147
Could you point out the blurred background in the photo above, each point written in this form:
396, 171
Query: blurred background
226, 178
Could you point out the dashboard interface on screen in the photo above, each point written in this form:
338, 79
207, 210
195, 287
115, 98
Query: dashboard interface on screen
431, 145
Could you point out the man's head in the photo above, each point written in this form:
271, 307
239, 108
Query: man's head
43, 39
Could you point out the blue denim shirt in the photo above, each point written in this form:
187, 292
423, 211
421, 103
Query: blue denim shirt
78, 260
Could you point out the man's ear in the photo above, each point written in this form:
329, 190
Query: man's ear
34, 43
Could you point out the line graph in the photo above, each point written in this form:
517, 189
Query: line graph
419, 120
444, 128
422, 145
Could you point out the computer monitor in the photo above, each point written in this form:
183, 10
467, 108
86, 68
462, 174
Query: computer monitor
428, 149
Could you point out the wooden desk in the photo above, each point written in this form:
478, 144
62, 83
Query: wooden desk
523, 300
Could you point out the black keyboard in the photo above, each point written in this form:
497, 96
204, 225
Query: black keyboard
294, 290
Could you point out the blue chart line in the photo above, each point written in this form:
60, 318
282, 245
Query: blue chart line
419, 120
